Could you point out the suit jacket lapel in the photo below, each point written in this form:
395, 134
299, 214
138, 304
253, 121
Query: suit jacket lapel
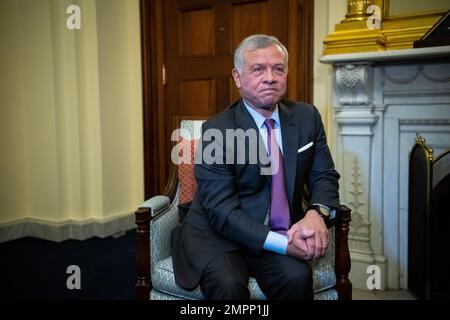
245, 121
289, 132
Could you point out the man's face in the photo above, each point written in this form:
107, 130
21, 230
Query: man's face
262, 82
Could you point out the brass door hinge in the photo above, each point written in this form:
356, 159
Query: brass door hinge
164, 75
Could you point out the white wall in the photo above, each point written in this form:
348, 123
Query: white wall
13, 190
70, 111
327, 13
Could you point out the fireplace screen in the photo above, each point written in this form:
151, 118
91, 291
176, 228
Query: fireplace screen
428, 227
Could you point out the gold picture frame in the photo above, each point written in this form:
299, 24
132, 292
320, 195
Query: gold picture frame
424, 9
396, 32
438, 35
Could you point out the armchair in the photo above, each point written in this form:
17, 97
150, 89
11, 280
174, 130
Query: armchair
156, 218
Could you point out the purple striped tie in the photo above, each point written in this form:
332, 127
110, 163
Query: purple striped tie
279, 218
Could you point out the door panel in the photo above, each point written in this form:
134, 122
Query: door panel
200, 41
196, 33
248, 18
197, 97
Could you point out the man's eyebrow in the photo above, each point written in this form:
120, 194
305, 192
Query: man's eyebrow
263, 64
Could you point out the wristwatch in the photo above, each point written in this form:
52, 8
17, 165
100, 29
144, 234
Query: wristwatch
323, 211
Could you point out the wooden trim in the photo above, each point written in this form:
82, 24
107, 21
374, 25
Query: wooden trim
148, 93
306, 50
342, 255
292, 46
143, 284
301, 50
153, 97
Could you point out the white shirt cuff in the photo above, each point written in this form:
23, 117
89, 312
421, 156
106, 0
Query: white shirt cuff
276, 242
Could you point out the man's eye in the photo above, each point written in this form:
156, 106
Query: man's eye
280, 70
257, 69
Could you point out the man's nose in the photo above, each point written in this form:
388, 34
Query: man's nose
269, 76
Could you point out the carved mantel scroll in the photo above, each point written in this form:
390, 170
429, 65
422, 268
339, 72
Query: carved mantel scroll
354, 84
354, 112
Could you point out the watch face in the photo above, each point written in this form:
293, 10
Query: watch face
324, 211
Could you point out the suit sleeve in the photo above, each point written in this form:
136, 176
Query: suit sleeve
219, 196
323, 178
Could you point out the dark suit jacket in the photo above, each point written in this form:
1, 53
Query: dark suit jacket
232, 200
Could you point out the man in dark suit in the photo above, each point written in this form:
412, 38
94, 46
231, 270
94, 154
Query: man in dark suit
246, 219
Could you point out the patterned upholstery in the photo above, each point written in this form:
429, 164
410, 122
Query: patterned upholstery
160, 230
186, 178
163, 281
156, 204
324, 276
190, 131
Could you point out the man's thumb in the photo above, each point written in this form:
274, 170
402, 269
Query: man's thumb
290, 234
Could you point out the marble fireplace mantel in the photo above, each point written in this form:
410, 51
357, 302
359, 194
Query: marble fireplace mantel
380, 101
389, 56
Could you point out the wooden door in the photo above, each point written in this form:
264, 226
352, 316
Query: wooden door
193, 44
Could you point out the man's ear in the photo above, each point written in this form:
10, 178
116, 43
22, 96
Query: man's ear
236, 77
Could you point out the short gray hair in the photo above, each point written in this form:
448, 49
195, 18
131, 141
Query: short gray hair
255, 42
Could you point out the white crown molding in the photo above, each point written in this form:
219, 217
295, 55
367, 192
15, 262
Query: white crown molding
390, 55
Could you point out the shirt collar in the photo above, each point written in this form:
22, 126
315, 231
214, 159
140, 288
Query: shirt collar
259, 118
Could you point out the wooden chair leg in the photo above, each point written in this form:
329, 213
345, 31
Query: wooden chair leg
143, 284
343, 262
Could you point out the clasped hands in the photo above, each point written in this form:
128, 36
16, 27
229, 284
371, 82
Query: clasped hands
308, 239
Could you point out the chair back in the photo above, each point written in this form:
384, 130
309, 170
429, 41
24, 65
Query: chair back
191, 129
190, 134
